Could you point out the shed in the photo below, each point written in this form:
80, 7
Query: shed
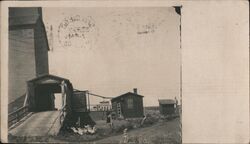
79, 101
167, 106
80, 112
128, 105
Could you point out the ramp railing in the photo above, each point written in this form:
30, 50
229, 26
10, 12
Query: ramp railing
63, 109
17, 115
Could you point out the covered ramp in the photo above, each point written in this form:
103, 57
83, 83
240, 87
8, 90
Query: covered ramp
40, 101
41, 93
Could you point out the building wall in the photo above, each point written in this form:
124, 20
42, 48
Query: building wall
114, 108
21, 61
79, 102
136, 111
167, 109
41, 49
103, 107
28, 48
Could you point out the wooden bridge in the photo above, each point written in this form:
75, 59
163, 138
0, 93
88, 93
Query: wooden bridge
38, 116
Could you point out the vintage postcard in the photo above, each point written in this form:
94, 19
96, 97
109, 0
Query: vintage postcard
94, 74
125, 72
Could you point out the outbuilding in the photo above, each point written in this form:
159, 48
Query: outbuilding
167, 106
80, 107
128, 105
40, 95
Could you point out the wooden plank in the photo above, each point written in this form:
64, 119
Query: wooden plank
39, 124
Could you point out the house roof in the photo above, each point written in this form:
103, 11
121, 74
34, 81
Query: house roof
104, 102
166, 101
126, 94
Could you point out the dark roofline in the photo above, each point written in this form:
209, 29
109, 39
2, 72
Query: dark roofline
104, 102
48, 75
166, 101
77, 90
125, 95
43, 28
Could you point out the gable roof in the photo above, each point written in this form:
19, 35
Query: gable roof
48, 78
126, 94
166, 101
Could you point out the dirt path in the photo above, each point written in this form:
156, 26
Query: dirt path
38, 124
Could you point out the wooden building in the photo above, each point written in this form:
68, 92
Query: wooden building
128, 105
41, 92
79, 101
80, 109
28, 50
167, 106
103, 106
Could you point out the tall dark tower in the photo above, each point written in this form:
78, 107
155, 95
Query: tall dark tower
28, 49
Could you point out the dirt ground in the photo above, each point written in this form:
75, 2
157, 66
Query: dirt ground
161, 132
155, 130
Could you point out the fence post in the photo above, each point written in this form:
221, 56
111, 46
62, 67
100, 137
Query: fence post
17, 116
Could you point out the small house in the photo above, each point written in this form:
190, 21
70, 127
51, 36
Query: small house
128, 105
167, 106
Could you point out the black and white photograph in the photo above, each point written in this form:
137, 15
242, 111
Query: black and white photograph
95, 74
124, 71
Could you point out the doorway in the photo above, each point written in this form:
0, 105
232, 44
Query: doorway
58, 101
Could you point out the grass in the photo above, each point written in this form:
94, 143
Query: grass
160, 139
103, 131
156, 129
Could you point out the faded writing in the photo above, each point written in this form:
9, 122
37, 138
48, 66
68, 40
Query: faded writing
76, 31
147, 28
143, 25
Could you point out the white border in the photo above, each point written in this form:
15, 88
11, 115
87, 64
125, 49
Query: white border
4, 36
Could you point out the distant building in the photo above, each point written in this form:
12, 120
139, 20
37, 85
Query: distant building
167, 106
93, 107
128, 105
28, 50
104, 106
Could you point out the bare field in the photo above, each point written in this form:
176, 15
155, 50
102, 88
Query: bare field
155, 130
160, 133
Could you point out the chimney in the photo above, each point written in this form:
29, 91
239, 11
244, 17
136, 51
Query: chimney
135, 90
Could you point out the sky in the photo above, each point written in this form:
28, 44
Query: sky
109, 51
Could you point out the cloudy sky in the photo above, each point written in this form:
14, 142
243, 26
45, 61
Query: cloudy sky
110, 51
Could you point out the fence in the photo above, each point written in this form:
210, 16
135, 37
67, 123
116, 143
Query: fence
17, 115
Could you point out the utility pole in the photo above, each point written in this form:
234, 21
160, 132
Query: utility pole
88, 100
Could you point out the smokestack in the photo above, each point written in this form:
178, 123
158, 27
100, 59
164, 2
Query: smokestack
135, 90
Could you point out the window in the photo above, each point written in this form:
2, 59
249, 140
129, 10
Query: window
130, 103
